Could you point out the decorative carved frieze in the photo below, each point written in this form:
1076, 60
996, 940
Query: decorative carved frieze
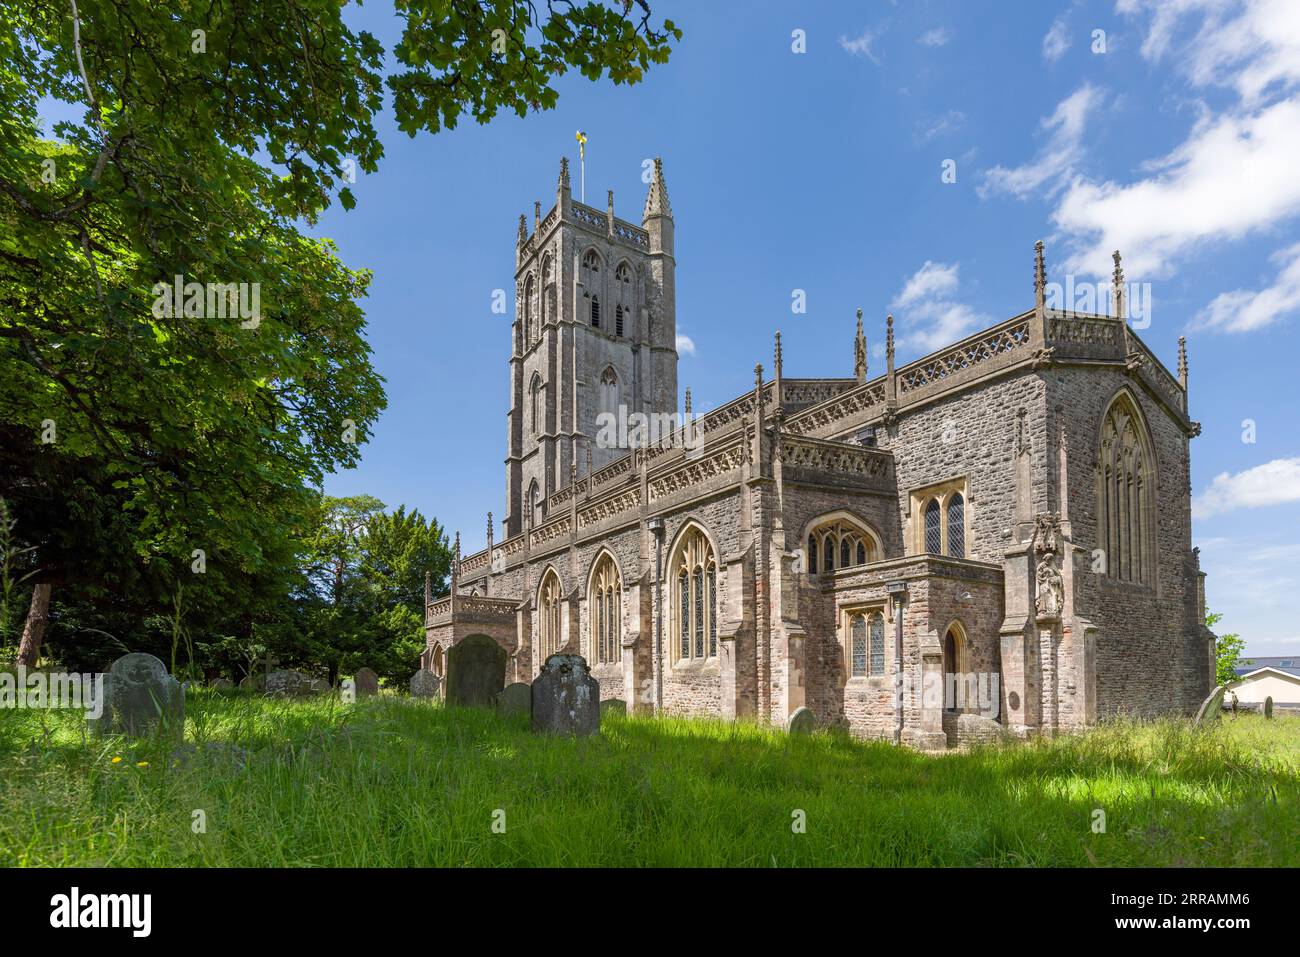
855, 402
843, 457
1086, 332
963, 357
698, 472
610, 507
550, 531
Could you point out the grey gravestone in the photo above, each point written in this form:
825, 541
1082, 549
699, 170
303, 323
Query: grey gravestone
802, 721
366, 682
566, 698
517, 698
476, 672
253, 682
220, 683
425, 684
1211, 708
1268, 707
294, 684
613, 705
139, 695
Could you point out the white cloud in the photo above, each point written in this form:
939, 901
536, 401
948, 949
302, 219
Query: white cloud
1273, 483
1056, 161
937, 37
1243, 310
685, 344
930, 281
1252, 47
929, 315
928, 129
1057, 41
1234, 175
862, 46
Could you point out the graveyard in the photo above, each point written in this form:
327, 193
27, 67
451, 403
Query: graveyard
392, 779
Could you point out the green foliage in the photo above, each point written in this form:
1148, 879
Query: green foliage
139, 442
349, 785
1227, 651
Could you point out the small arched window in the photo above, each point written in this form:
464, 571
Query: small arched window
933, 532
957, 526
609, 397
548, 606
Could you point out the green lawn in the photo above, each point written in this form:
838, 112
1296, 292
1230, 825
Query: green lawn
397, 782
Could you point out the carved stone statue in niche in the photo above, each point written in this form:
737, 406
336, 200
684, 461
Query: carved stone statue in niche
1049, 588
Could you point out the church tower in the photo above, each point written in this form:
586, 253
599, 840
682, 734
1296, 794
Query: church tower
595, 332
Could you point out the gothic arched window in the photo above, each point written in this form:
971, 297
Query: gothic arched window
858, 649
528, 311
933, 532
1126, 495
695, 571
957, 526
606, 614
535, 403
623, 279
609, 396
547, 308
536, 506
548, 616
839, 543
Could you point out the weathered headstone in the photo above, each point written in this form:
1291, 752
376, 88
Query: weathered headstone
802, 721
140, 696
476, 672
1211, 708
220, 683
253, 682
613, 706
516, 698
566, 698
366, 682
425, 684
1268, 707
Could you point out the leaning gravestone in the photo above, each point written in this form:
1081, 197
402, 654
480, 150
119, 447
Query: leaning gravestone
517, 698
802, 721
366, 682
566, 698
613, 706
1211, 708
1268, 707
425, 684
139, 696
476, 672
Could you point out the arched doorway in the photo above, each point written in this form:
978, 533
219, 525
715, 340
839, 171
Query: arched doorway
954, 668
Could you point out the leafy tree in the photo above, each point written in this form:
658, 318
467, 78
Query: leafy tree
142, 438
1227, 651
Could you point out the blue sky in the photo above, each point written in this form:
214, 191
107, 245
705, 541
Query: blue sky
821, 171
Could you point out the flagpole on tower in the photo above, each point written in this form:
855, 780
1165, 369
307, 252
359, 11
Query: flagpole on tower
582, 164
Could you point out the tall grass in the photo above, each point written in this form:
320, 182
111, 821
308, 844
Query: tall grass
395, 782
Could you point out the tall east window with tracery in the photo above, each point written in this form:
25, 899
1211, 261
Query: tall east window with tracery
695, 599
1126, 506
606, 611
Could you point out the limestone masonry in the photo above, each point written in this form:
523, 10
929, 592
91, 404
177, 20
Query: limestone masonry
995, 538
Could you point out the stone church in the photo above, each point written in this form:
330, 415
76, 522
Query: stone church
993, 538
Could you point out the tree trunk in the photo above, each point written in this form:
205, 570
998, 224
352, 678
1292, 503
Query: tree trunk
29, 650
